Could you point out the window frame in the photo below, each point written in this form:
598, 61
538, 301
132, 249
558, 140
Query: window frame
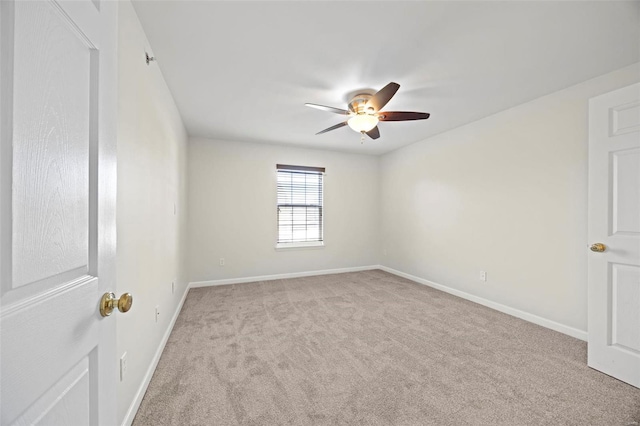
310, 244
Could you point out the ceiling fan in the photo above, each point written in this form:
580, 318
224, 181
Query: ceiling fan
364, 112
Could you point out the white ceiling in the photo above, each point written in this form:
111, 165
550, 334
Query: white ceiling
242, 70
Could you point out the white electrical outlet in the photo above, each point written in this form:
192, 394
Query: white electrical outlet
483, 275
157, 312
123, 366
222, 261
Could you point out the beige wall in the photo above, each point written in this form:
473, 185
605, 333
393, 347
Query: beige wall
151, 179
232, 210
507, 195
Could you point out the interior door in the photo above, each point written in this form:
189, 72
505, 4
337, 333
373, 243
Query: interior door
614, 223
58, 179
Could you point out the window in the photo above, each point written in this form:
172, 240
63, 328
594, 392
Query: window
299, 206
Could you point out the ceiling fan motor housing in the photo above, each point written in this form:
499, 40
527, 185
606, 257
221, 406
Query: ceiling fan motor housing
359, 102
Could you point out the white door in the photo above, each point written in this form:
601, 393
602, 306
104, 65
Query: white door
58, 112
614, 221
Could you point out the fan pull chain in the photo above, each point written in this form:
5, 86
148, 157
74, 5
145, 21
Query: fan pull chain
362, 138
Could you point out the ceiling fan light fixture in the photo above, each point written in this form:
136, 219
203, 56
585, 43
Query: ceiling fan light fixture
363, 122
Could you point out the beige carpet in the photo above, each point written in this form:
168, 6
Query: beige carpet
370, 348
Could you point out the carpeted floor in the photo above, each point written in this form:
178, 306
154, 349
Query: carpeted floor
370, 348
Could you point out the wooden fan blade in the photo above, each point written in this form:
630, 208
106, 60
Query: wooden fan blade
402, 116
384, 95
337, 126
330, 109
374, 133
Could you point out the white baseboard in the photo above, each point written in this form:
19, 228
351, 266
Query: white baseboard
544, 322
281, 276
133, 408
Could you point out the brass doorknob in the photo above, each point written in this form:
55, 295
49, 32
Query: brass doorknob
109, 302
598, 247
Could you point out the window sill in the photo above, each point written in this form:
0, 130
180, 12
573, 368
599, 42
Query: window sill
298, 246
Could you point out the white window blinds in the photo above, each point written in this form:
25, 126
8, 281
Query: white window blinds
299, 204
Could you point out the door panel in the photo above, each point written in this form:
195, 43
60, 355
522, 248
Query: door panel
626, 192
624, 118
66, 403
57, 121
625, 315
57, 340
614, 220
51, 119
